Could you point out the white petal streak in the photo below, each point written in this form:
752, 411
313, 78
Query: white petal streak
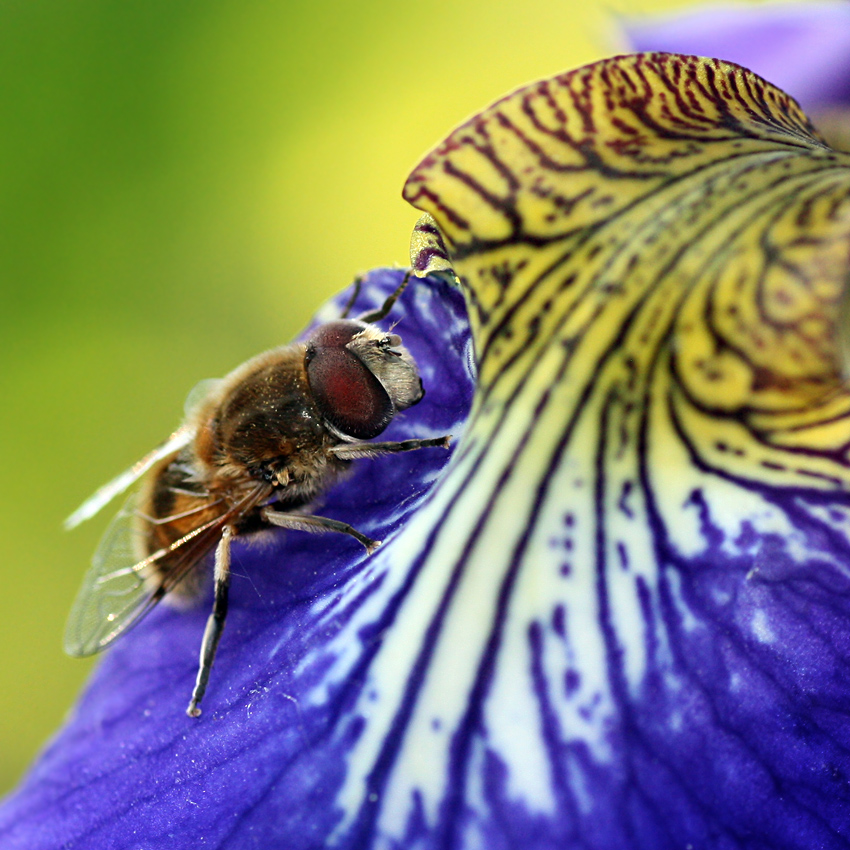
469, 622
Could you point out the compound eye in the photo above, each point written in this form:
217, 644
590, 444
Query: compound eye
347, 394
335, 334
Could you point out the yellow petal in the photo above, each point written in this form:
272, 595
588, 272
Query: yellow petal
656, 223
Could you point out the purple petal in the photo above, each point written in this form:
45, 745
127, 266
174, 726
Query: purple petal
803, 48
263, 766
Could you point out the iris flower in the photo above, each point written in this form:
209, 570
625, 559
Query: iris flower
619, 615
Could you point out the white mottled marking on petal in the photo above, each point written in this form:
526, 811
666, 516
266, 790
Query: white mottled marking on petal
762, 628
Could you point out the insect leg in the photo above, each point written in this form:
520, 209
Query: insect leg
384, 309
303, 522
351, 451
358, 282
215, 622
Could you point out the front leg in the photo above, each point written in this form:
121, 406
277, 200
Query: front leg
352, 451
316, 524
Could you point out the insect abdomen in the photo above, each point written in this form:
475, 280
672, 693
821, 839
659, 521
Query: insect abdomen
174, 505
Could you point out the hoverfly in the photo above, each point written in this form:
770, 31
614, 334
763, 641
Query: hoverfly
256, 448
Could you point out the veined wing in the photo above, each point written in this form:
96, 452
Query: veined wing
119, 589
180, 438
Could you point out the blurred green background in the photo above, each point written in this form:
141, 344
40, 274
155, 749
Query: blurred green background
181, 183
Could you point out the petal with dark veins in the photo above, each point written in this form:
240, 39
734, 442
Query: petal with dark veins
804, 48
654, 250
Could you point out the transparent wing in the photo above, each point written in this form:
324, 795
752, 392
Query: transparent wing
198, 394
119, 589
180, 438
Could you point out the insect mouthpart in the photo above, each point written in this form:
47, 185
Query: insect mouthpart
391, 363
